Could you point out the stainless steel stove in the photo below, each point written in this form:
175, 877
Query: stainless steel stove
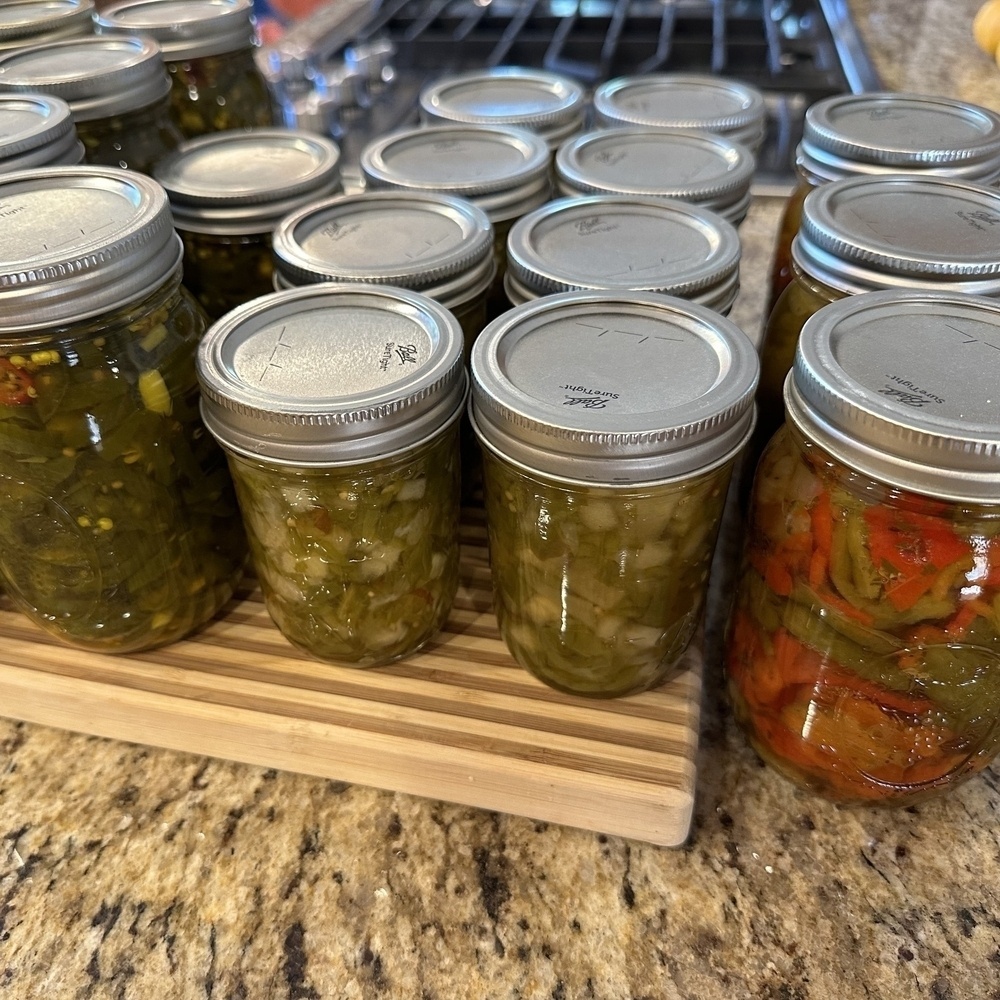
355, 67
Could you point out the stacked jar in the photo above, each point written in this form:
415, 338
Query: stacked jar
32, 22
864, 647
339, 407
618, 242
228, 191
117, 91
208, 49
865, 135
36, 130
118, 522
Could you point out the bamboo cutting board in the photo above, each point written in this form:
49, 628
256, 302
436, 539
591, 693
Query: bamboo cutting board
459, 721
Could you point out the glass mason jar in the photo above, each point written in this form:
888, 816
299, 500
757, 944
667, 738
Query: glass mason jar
117, 517
864, 647
684, 101
623, 242
434, 244
116, 89
208, 50
856, 135
706, 170
551, 105
29, 22
338, 406
504, 171
609, 423
36, 130
228, 191
870, 233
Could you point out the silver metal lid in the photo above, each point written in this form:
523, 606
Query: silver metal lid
27, 20
80, 241
547, 104
501, 169
246, 180
184, 29
618, 242
432, 243
704, 169
905, 387
36, 130
879, 133
331, 375
685, 101
97, 77
616, 388
901, 230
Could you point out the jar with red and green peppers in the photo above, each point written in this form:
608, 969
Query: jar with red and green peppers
864, 646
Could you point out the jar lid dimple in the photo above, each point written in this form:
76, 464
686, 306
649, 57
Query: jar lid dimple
904, 386
184, 29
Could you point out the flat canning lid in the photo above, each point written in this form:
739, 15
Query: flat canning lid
686, 101
184, 29
50, 19
901, 230
880, 133
432, 243
76, 242
36, 130
331, 374
501, 169
97, 77
620, 242
704, 169
244, 181
548, 104
616, 388
904, 386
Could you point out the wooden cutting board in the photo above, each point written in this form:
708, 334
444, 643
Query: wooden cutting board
459, 721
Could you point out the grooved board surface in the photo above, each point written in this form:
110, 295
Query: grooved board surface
458, 721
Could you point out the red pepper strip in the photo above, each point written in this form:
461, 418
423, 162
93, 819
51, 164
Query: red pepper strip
904, 592
15, 384
775, 573
959, 623
993, 562
912, 543
822, 530
847, 609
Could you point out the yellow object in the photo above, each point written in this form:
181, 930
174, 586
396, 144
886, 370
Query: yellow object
986, 27
154, 392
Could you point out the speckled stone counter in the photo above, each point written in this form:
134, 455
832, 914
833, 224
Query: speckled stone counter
143, 874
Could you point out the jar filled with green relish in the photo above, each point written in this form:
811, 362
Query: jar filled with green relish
624, 242
503, 170
118, 521
228, 191
339, 407
609, 424
36, 130
117, 91
28, 22
702, 168
430, 243
867, 135
864, 646
208, 49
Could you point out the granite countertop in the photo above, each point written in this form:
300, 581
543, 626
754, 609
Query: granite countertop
137, 873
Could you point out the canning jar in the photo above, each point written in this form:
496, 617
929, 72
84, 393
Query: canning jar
208, 50
228, 191
622, 242
684, 101
503, 170
118, 522
855, 135
338, 406
706, 170
609, 424
28, 22
870, 233
117, 91
430, 243
864, 647
36, 130
549, 104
